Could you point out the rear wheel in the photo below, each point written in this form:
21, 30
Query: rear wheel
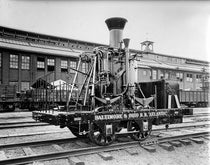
142, 130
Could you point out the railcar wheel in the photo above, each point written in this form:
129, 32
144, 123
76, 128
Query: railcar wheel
140, 133
75, 131
99, 137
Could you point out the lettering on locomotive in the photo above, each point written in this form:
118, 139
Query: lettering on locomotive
130, 115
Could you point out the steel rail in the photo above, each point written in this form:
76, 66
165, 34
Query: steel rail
91, 150
22, 122
11, 126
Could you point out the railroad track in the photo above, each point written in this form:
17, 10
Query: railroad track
65, 140
53, 132
93, 150
87, 148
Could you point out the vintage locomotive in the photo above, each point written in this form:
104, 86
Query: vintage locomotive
109, 103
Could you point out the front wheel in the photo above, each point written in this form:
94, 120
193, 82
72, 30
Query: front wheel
99, 136
76, 131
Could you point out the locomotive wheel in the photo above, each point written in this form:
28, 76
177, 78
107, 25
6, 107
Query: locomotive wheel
75, 131
99, 137
139, 135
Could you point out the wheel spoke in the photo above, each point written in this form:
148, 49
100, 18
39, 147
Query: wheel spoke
140, 135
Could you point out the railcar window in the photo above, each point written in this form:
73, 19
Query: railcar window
25, 62
13, 61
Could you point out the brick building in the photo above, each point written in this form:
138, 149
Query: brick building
27, 56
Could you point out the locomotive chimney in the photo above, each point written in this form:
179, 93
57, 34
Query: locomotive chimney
115, 26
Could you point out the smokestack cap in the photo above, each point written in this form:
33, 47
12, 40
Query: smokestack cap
116, 23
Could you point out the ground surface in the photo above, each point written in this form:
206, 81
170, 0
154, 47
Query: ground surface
194, 154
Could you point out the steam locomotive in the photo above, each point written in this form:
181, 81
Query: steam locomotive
108, 101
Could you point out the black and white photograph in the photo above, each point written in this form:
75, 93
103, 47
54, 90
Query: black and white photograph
104, 82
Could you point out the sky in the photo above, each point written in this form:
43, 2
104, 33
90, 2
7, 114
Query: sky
177, 28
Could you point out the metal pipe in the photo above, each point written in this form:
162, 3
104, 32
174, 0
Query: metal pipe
126, 43
75, 77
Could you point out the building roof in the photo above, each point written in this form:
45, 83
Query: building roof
38, 48
182, 67
10, 38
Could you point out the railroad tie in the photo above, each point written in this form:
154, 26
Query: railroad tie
2, 155
197, 140
132, 151
75, 161
150, 148
206, 137
166, 146
37, 163
81, 144
176, 143
28, 151
185, 141
105, 156
57, 147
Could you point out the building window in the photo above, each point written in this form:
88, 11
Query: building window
144, 72
0, 59
173, 75
154, 74
25, 62
13, 83
40, 63
198, 78
24, 86
189, 77
169, 59
73, 64
13, 61
161, 75
166, 75
179, 75
64, 65
50, 64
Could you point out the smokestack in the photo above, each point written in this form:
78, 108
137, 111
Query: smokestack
115, 26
